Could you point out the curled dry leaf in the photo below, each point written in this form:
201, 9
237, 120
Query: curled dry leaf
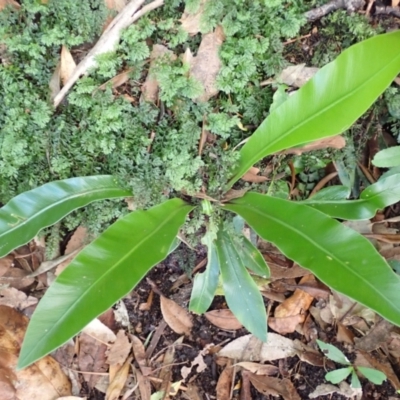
223, 319
177, 318
67, 65
274, 386
206, 65
225, 382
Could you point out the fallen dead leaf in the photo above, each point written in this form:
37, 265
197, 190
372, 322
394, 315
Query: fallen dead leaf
191, 21
166, 371
54, 84
140, 355
177, 318
117, 80
16, 299
144, 385
67, 65
118, 352
206, 65
259, 369
274, 386
43, 380
376, 337
118, 383
344, 389
297, 75
91, 358
223, 319
97, 330
6, 263
250, 177
275, 348
225, 382
292, 311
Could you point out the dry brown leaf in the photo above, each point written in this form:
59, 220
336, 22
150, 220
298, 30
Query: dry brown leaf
225, 382
117, 80
6, 263
99, 331
191, 22
67, 65
206, 65
140, 355
16, 278
120, 349
13, 3
292, 311
43, 380
275, 348
116, 5
376, 337
280, 272
223, 319
274, 386
259, 369
76, 242
118, 383
250, 177
335, 142
91, 358
150, 86
16, 299
177, 318
144, 385
297, 75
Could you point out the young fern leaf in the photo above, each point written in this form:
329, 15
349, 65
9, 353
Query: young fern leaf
337, 255
329, 103
26, 214
102, 273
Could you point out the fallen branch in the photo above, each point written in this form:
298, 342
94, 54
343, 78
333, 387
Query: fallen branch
319, 12
382, 10
108, 41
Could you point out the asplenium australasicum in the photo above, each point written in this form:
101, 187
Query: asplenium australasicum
118, 259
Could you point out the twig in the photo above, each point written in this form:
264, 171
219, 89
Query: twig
319, 12
107, 42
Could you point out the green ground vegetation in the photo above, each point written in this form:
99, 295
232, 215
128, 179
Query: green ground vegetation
97, 132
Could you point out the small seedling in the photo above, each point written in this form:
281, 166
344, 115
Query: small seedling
339, 375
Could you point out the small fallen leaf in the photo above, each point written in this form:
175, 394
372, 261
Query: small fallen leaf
54, 83
259, 369
225, 382
99, 331
297, 75
335, 142
118, 352
16, 299
274, 386
198, 361
117, 80
206, 65
140, 355
67, 65
191, 21
177, 318
118, 383
223, 319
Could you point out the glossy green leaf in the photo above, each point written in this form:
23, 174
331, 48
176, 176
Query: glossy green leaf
375, 197
387, 158
101, 274
333, 353
337, 192
336, 254
338, 375
373, 375
329, 103
251, 257
26, 214
241, 292
205, 283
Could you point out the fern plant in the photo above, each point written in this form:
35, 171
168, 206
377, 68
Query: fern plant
307, 232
